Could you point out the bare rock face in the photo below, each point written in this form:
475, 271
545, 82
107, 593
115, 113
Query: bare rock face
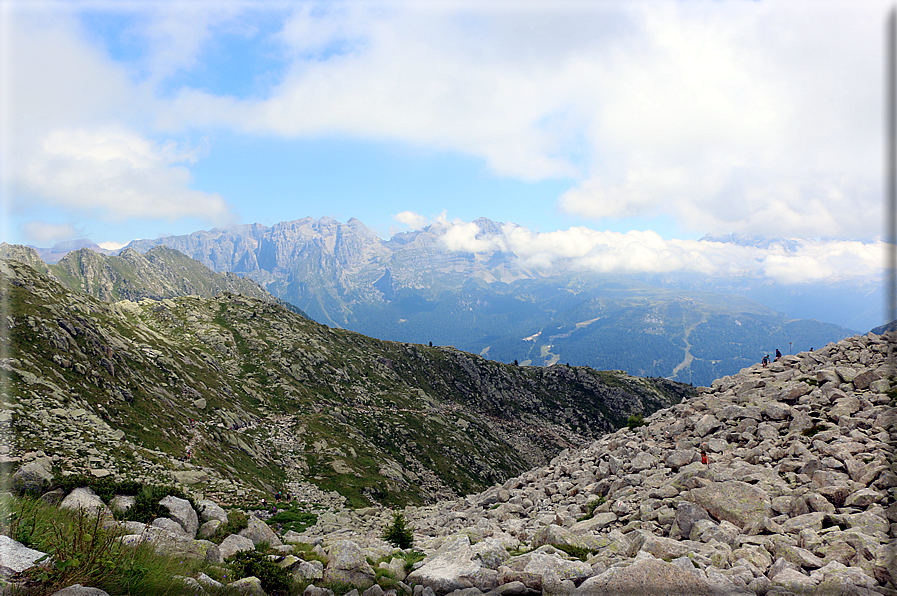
258, 531
734, 501
33, 477
180, 511
348, 564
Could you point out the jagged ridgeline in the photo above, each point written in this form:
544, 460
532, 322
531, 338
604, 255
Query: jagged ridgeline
160, 273
113, 389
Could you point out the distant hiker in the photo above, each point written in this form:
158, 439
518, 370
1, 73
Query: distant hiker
778, 355
703, 456
811, 348
765, 361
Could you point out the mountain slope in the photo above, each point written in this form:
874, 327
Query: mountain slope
160, 273
113, 388
420, 286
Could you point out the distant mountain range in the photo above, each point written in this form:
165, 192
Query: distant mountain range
413, 288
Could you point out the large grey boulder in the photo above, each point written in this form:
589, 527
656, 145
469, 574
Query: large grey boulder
647, 576
347, 563
84, 498
16, 556
734, 501
79, 590
309, 570
679, 458
208, 529
180, 511
687, 513
451, 567
234, 544
546, 565
201, 550
258, 531
209, 510
33, 477
170, 526
248, 585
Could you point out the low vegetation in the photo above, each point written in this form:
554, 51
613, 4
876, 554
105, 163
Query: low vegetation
399, 533
82, 547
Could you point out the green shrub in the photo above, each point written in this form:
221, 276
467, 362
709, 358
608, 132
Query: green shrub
591, 506
411, 558
236, 521
293, 519
275, 580
809, 432
306, 552
635, 421
579, 552
399, 534
147, 496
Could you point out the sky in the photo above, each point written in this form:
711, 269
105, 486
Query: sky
623, 131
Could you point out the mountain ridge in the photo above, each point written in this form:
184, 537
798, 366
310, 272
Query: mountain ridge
280, 398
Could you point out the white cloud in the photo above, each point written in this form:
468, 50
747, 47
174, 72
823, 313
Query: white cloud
65, 106
584, 249
414, 221
42, 233
116, 174
111, 245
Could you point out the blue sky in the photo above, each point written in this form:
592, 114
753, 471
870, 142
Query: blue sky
137, 119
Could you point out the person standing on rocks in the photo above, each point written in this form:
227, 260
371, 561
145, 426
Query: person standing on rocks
778, 355
765, 361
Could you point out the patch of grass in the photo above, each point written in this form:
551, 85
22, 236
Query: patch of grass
579, 552
306, 552
236, 521
84, 548
520, 551
411, 558
816, 428
292, 519
591, 506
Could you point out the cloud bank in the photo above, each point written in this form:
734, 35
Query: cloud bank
748, 117
785, 261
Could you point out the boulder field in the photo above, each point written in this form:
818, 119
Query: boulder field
777, 480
